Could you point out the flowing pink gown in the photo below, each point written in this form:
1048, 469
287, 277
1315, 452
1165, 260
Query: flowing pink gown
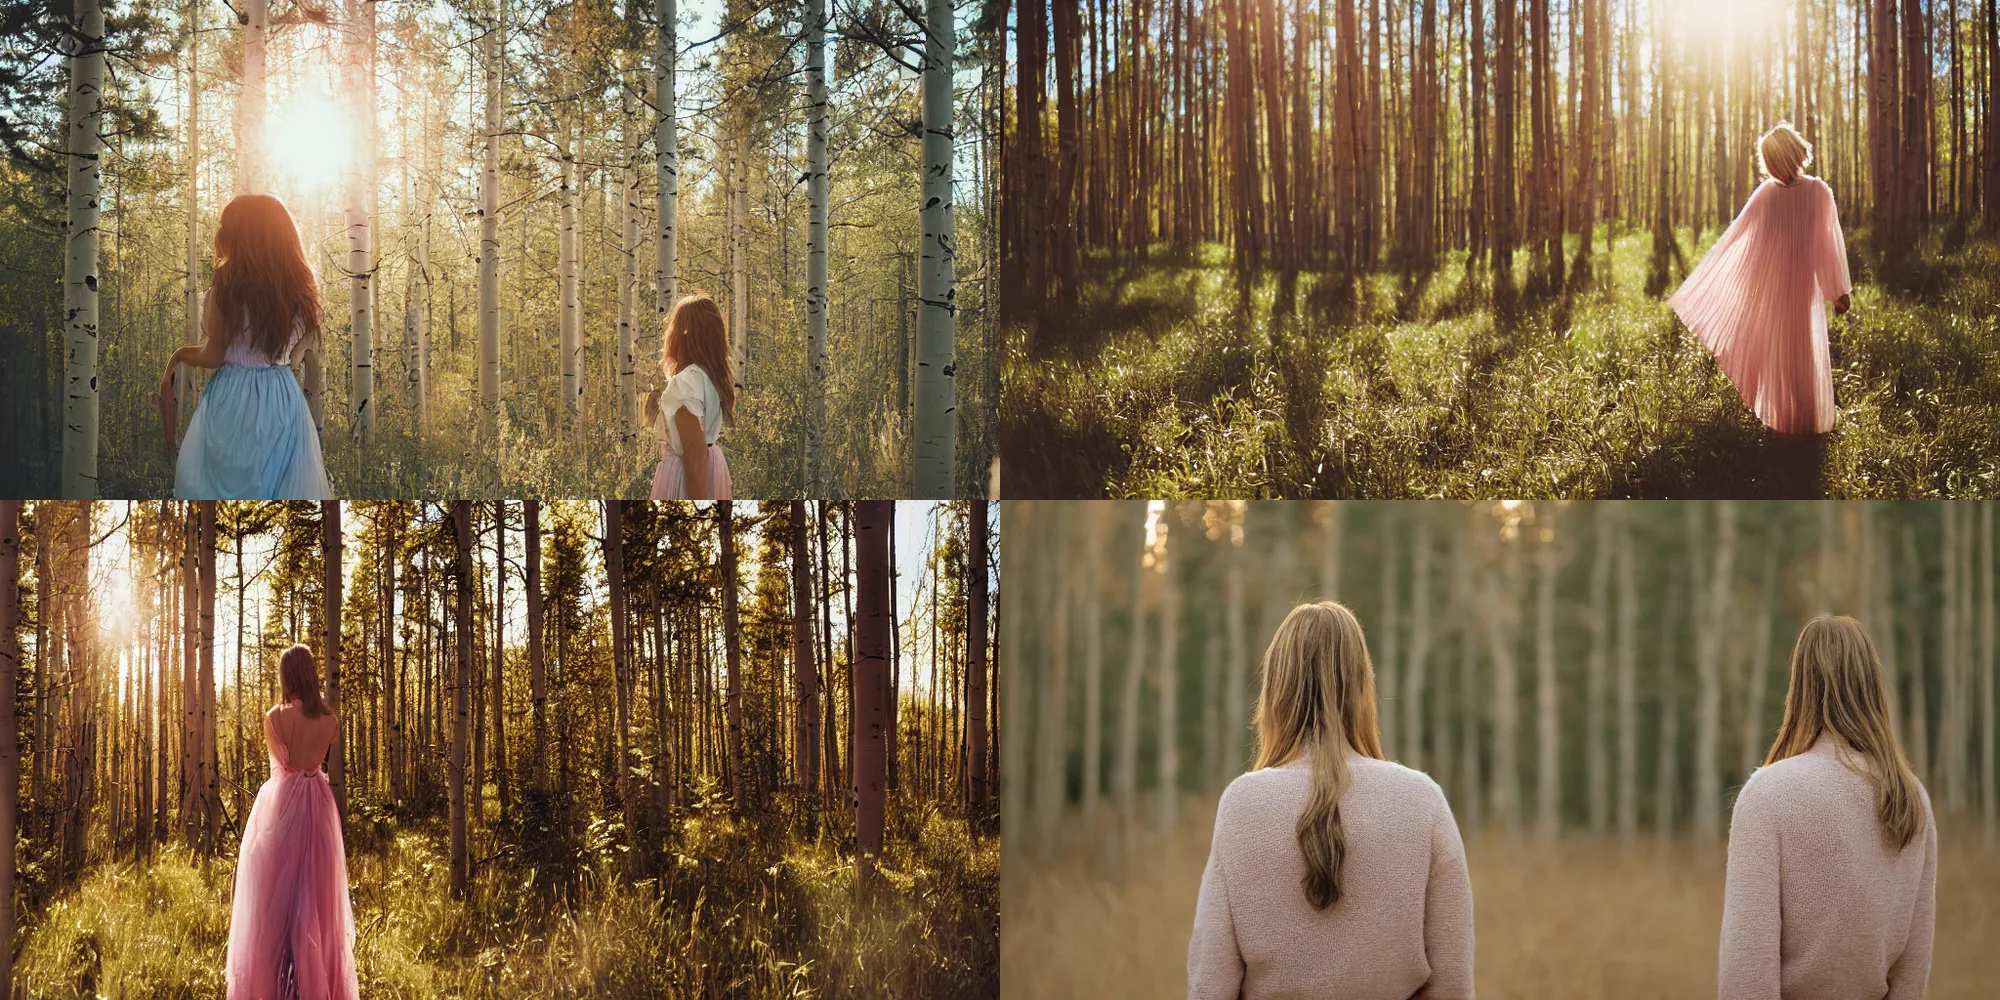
1757, 302
291, 932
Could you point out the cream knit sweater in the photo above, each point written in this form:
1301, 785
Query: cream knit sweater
1402, 928
1817, 905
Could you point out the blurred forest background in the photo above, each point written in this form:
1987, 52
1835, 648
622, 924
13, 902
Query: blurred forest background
478, 185
588, 749
1589, 682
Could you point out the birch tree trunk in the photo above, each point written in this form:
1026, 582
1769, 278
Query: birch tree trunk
360, 184
1595, 760
184, 396
816, 245
739, 293
489, 244
1416, 671
570, 340
1329, 567
461, 516
1548, 776
334, 577
936, 429
250, 103
1709, 631
1127, 773
86, 143
666, 167
1628, 687
628, 267
10, 750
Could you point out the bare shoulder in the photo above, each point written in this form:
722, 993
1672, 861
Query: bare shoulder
276, 711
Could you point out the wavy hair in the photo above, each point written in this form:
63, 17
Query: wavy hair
261, 278
1318, 697
298, 677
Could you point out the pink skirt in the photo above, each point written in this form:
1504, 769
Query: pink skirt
670, 479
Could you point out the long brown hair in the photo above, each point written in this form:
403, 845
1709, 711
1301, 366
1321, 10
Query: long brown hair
1318, 695
696, 335
298, 676
1837, 688
261, 278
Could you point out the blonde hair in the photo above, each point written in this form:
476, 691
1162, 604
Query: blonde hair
1783, 154
1318, 695
1837, 687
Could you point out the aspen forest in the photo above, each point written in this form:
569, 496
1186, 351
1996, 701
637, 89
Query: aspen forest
1589, 683
501, 201
1420, 248
587, 749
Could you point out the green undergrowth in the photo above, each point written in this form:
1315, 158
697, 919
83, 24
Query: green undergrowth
1178, 376
732, 909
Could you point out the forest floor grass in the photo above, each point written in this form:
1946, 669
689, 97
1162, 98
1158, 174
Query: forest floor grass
1181, 378
730, 911
1582, 917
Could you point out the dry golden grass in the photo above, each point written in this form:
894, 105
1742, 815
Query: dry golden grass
1579, 918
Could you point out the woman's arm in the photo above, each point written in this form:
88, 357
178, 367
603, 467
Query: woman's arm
1215, 961
1751, 930
1448, 912
694, 455
207, 354
1912, 969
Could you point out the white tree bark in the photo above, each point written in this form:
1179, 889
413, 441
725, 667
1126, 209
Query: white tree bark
250, 105
360, 243
628, 265
86, 143
571, 346
1416, 671
936, 405
1093, 659
191, 198
1595, 759
1548, 736
1628, 687
739, 285
489, 245
1169, 742
666, 167
816, 196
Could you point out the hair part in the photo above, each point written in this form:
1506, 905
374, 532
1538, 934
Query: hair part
1318, 697
1783, 154
697, 335
262, 290
298, 677
1837, 688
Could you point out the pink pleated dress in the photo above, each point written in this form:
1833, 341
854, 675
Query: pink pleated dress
1758, 303
291, 930
689, 389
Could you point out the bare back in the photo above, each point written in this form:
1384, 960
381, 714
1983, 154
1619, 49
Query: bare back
300, 742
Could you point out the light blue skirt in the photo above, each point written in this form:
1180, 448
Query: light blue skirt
251, 438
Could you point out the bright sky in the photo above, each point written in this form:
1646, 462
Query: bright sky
114, 572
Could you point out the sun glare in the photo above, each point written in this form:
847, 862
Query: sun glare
309, 141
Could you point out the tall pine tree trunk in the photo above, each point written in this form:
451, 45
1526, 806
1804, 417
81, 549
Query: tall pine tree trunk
330, 554
10, 750
537, 679
872, 638
732, 646
805, 748
461, 516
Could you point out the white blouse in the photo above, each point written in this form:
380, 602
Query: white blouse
690, 388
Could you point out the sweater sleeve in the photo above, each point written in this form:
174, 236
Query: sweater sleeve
1749, 968
1448, 913
1912, 969
1215, 963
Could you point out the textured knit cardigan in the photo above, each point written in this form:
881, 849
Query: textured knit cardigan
1817, 904
1402, 927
